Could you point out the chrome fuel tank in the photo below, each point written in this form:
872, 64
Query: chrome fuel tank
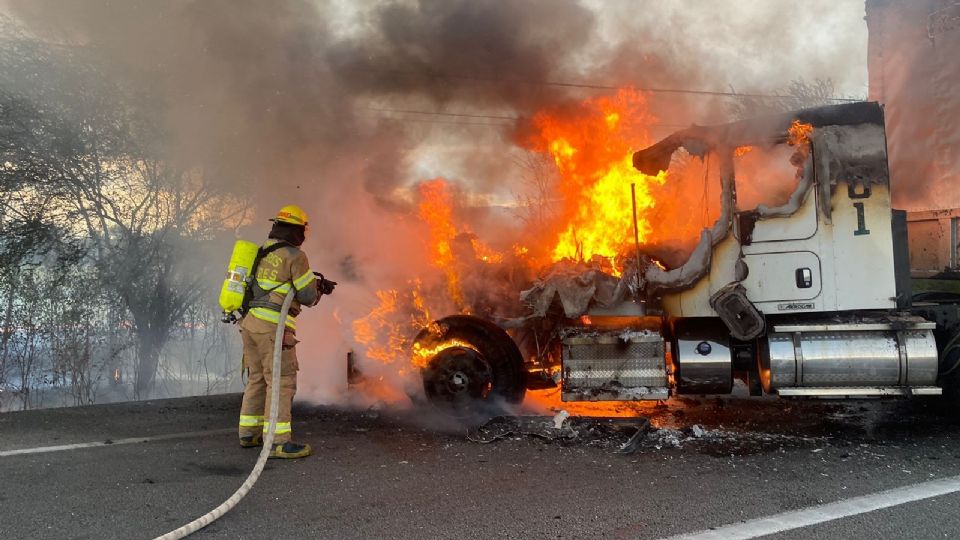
849, 355
702, 357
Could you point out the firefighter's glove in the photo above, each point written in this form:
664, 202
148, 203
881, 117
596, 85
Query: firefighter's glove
324, 285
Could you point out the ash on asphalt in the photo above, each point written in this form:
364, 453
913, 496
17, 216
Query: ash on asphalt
721, 427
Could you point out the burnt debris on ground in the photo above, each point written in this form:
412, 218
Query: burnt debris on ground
725, 427
629, 435
602, 432
721, 427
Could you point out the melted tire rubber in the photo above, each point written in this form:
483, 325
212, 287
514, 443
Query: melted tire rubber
498, 350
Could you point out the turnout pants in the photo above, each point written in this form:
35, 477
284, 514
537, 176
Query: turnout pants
258, 359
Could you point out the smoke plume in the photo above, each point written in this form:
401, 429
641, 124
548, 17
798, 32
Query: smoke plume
308, 102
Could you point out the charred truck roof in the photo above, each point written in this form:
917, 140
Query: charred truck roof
753, 131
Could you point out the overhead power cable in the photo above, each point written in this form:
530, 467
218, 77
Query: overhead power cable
460, 115
507, 119
443, 113
596, 86
446, 122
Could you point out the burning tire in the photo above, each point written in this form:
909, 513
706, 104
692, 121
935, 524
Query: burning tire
470, 361
458, 374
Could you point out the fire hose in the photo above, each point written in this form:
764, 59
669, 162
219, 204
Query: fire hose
242, 491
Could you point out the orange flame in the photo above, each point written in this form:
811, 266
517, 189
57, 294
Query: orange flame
367, 330
548, 401
799, 133
591, 144
484, 253
386, 331
422, 354
436, 210
592, 150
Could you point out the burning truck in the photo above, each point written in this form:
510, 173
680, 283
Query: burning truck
807, 297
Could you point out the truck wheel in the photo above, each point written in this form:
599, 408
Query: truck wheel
458, 375
484, 366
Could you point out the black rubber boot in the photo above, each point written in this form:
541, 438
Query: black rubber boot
290, 450
251, 441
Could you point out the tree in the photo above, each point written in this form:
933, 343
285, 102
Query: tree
83, 175
799, 94
536, 204
155, 251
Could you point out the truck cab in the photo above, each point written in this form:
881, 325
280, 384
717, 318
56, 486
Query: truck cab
809, 295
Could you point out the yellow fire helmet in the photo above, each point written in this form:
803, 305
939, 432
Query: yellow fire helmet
292, 214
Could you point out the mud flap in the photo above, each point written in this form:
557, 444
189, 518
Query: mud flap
742, 318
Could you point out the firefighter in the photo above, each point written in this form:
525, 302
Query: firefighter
282, 266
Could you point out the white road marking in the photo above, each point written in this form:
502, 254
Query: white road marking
131, 440
827, 512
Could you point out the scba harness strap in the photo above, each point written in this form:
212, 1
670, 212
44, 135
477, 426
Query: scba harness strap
251, 298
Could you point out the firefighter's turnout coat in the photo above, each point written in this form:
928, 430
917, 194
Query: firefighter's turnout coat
277, 272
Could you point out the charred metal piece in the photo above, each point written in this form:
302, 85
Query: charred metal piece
354, 375
698, 140
539, 378
633, 443
746, 221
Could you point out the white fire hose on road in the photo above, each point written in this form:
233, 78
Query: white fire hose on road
228, 504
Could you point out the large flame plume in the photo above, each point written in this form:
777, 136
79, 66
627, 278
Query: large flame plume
436, 210
386, 332
592, 146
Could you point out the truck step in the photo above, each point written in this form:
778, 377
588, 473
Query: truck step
855, 392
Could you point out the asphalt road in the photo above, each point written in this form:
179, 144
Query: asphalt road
414, 474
